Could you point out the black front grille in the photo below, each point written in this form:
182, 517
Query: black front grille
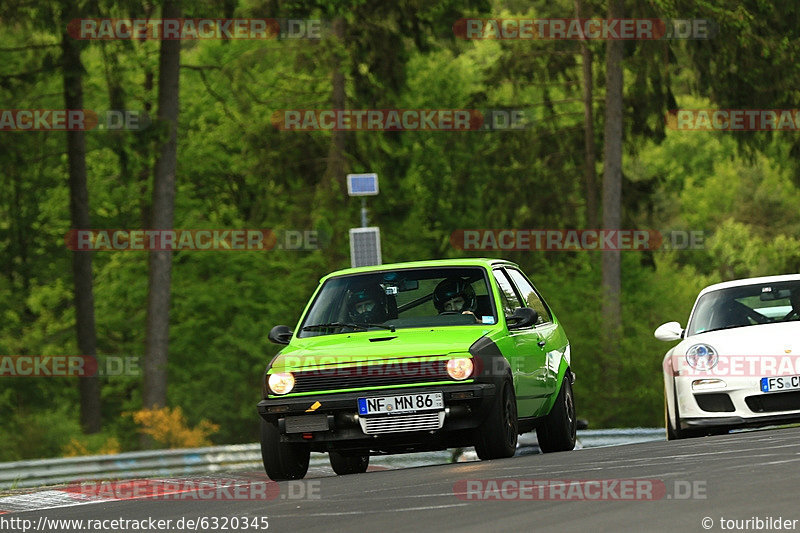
718, 402
767, 403
355, 377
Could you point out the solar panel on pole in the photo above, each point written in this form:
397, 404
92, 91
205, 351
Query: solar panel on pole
365, 246
362, 184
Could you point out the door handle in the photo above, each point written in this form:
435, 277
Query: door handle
541, 343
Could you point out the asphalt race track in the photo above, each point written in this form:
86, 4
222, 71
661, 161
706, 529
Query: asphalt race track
752, 475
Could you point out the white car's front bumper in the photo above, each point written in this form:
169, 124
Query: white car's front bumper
736, 401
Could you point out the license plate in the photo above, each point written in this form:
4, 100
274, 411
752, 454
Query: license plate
780, 383
407, 403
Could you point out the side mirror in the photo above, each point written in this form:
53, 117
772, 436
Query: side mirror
671, 331
522, 318
280, 335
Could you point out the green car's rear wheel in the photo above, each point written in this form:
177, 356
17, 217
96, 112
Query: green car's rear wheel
558, 431
282, 460
348, 464
497, 435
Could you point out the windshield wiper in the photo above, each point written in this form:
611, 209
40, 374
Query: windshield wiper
364, 326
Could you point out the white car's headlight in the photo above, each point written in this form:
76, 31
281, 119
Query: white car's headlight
702, 357
281, 382
460, 368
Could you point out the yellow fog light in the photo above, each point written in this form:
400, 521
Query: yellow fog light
281, 383
460, 368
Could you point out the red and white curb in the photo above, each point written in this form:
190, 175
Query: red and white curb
46, 499
140, 489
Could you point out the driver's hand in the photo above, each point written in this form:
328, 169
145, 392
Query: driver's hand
470, 313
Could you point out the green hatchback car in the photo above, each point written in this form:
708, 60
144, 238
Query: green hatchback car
412, 357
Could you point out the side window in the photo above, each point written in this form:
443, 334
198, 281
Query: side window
529, 295
508, 298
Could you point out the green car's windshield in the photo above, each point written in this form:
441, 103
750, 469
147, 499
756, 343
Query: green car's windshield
746, 306
406, 298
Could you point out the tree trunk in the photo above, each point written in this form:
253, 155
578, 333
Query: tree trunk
160, 262
336, 154
590, 150
612, 188
330, 194
116, 100
90, 413
142, 147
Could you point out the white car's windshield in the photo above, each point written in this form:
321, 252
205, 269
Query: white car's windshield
746, 306
404, 298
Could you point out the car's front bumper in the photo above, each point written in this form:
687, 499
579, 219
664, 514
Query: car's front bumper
738, 402
732, 422
334, 420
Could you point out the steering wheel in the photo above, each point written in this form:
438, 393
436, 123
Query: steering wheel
450, 313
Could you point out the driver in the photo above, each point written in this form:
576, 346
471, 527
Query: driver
455, 295
367, 305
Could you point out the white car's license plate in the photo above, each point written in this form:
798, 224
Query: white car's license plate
780, 383
406, 403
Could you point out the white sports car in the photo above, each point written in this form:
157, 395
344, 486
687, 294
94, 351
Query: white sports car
738, 360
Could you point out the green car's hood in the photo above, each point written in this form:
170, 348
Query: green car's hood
349, 348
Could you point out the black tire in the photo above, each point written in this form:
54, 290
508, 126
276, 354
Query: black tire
676, 433
497, 435
558, 430
671, 433
282, 460
348, 464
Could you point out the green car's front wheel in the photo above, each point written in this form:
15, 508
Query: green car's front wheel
497, 436
348, 464
558, 431
282, 460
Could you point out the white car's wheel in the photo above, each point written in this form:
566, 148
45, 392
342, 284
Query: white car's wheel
671, 433
674, 433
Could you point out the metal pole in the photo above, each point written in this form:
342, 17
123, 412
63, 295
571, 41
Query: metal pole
363, 212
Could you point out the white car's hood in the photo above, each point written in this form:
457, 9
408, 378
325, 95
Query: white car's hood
761, 339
